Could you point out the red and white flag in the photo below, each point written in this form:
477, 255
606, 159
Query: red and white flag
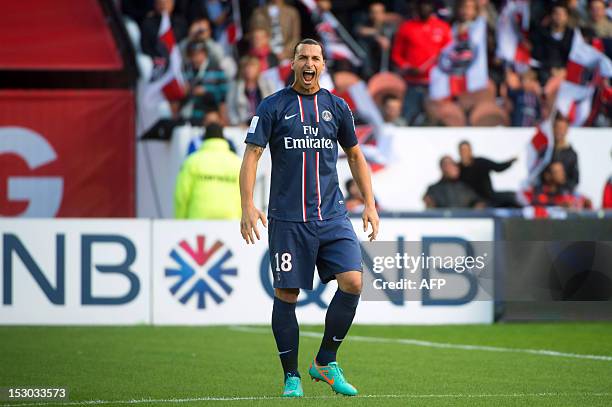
539, 153
462, 65
374, 141
512, 30
233, 31
332, 35
586, 67
540, 150
335, 48
276, 77
167, 85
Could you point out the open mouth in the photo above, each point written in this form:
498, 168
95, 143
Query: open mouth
308, 75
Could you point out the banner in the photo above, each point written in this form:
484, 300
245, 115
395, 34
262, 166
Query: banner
462, 65
78, 271
586, 67
512, 35
167, 82
67, 153
338, 43
204, 273
193, 273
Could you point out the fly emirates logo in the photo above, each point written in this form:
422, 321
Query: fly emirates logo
310, 141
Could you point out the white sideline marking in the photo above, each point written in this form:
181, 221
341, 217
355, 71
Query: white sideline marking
429, 344
259, 398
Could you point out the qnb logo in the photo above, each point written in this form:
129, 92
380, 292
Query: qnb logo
43, 194
310, 140
201, 272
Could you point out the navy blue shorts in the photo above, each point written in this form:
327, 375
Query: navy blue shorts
296, 247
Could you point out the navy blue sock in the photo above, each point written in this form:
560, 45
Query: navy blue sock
338, 320
287, 335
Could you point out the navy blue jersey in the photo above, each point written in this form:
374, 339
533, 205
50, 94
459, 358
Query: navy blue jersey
303, 132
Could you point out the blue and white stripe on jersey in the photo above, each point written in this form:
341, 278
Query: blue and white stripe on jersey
303, 132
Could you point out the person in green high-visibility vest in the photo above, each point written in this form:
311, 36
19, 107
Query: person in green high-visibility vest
207, 185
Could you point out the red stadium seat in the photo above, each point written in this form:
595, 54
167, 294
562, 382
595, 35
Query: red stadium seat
488, 114
385, 83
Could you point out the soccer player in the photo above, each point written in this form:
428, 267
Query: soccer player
303, 124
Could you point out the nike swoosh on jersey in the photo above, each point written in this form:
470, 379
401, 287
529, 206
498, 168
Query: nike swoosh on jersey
289, 117
336, 339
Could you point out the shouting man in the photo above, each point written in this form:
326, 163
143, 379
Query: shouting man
309, 226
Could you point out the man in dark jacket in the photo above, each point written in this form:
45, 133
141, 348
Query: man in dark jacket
475, 173
565, 153
450, 191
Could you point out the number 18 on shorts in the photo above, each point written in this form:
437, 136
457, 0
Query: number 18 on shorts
297, 247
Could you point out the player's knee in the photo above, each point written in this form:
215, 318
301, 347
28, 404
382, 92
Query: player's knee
351, 285
287, 294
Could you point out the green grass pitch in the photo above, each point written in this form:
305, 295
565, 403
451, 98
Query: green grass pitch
189, 366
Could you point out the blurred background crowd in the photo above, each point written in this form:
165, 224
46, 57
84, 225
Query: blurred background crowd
520, 63
506, 66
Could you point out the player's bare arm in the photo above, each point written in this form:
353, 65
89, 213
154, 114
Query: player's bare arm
250, 214
361, 175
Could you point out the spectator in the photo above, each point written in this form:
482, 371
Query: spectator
490, 13
524, 93
564, 153
450, 191
465, 92
246, 92
212, 116
282, 22
207, 185
598, 20
553, 43
375, 38
475, 172
149, 39
577, 14
200, 30
207, 82
415, 51
354, 201
260, 48
553, 191
392, 110
218, 12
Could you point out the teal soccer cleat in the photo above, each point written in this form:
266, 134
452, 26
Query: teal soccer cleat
333, 375
293, 386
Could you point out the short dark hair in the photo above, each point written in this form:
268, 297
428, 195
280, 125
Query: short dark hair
464, 143
348, 184
213, 130
444, 157
309, 41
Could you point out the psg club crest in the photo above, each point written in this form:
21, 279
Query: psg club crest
457, 59
327, 116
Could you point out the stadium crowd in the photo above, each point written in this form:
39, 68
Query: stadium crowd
393, 45
423, 63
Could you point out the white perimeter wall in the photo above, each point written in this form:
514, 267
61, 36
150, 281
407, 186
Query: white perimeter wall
413, 163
